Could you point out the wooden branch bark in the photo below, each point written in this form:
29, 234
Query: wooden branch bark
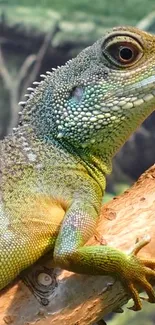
66, 298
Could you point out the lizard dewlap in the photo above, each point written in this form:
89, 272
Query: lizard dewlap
53, 165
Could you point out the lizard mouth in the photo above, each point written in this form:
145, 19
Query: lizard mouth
143, 92
145, 83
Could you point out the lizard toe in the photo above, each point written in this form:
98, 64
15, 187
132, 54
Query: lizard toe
135, 296
149, 290
150, 263
139, 271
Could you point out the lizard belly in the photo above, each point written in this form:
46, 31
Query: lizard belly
27, 232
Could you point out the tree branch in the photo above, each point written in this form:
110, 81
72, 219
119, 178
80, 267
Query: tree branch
39, 58
66, 298
17, 87
4, 72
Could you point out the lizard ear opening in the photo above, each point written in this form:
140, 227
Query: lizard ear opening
122, 50
77, 93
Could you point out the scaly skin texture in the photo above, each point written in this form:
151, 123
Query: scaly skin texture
53, 165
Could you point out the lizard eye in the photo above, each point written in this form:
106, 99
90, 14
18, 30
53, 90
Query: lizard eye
122, 51
126, 53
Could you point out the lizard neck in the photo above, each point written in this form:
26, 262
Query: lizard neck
97, 165
36, 152
98, 168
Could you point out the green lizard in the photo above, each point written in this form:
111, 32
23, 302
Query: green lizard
53, 165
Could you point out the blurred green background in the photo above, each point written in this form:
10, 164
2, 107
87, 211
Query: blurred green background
38, 35
123, 11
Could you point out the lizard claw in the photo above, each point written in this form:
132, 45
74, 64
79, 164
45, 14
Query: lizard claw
140, 270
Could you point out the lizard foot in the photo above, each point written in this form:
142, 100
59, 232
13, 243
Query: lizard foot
139, 270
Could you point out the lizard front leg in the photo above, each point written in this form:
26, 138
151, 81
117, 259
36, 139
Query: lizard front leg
71, 254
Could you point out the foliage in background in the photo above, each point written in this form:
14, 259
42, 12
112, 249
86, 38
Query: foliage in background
79, 20
127, 9
144, 317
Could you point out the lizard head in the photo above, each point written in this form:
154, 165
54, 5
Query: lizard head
96, 100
